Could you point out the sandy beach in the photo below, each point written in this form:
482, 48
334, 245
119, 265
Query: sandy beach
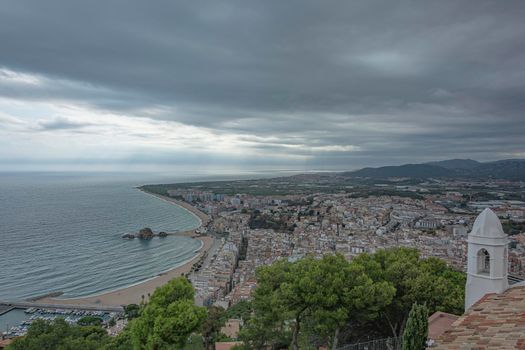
134, 293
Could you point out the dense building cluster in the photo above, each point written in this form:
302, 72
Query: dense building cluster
257, 230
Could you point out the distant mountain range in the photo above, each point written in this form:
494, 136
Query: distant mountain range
508, 169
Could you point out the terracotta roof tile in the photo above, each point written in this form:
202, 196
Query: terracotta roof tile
439, 322
496, 321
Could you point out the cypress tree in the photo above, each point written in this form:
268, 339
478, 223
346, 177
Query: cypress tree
416, 330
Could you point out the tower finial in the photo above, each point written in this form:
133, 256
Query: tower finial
487, 225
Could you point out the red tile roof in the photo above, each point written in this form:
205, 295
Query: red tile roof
440, 322
496, 321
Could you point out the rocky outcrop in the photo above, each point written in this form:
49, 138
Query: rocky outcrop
145, 233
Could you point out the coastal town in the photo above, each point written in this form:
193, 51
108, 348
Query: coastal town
272, 219
255, 230
262, 175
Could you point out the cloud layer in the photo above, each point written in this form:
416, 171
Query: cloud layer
302, 83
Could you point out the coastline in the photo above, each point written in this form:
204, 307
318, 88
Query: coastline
203, 217
132, 294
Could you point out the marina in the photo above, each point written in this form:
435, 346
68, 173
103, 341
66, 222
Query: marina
16, 318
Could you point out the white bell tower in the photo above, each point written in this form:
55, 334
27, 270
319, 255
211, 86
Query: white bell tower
487, 258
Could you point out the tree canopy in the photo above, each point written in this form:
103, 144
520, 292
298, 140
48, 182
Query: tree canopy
425, 281
90, 321
324, 301
416, 330
60, 335
168, 319
297, 305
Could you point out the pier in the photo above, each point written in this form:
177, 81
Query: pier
5, 309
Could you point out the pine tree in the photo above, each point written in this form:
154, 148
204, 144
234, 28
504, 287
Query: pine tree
416, 330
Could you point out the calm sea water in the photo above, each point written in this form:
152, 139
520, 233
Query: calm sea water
62, 232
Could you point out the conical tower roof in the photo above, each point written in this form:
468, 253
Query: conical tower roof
487, 225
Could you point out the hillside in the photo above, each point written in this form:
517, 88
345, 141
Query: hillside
456, 164
407, 170
508, 169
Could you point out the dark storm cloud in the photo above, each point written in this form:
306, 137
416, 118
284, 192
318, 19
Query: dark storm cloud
392, 81
61, 124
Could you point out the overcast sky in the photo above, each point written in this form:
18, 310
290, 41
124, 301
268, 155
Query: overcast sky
289, 84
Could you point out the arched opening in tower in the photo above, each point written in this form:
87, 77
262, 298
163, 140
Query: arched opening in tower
483, 262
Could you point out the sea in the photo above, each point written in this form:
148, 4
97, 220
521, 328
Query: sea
61, 232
